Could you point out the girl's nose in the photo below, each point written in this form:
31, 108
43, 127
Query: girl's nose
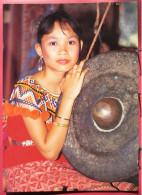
63, 50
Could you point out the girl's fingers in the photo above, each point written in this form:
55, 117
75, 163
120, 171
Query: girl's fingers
74, 69
80, 66
84, 72
77, 69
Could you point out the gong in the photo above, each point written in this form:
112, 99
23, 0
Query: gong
102, 139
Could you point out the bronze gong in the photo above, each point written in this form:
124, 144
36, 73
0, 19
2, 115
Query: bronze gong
102, 139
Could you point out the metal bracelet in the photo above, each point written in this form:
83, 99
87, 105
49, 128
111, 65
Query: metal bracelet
60, 124
63, 118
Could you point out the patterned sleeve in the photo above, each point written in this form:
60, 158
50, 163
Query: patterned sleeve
26, 100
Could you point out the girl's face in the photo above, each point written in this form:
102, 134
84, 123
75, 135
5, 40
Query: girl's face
60, 49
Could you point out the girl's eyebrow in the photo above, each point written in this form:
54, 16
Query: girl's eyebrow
48, 38
75, 36
54, 37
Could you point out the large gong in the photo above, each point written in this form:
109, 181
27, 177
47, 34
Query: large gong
102, 139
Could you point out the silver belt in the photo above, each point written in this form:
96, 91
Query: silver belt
24, 143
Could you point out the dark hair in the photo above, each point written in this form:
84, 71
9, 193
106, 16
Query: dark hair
47, 23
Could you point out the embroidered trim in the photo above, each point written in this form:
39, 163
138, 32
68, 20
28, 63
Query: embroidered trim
10, 110
26, 84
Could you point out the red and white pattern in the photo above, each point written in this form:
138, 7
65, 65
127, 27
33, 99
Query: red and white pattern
48, 175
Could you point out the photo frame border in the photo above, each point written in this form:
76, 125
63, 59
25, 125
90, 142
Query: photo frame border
139, 9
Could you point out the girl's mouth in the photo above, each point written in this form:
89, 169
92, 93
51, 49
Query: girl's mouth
63, 61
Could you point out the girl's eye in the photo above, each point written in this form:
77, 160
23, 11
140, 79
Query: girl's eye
71, 42
53, 43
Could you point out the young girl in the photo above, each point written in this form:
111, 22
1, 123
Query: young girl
32, 161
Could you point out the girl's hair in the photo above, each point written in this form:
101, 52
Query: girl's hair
47, 23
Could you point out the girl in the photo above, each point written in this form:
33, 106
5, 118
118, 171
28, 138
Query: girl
36, 136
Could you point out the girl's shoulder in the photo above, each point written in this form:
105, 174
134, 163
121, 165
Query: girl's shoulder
29, 98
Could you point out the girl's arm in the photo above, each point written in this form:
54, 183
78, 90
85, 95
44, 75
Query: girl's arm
50, 143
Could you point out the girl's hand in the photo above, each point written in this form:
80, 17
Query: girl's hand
72, 83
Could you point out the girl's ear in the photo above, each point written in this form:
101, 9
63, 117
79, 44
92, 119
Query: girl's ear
81, 44
38, 49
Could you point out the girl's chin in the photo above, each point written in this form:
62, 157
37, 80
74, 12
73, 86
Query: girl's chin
66, 69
